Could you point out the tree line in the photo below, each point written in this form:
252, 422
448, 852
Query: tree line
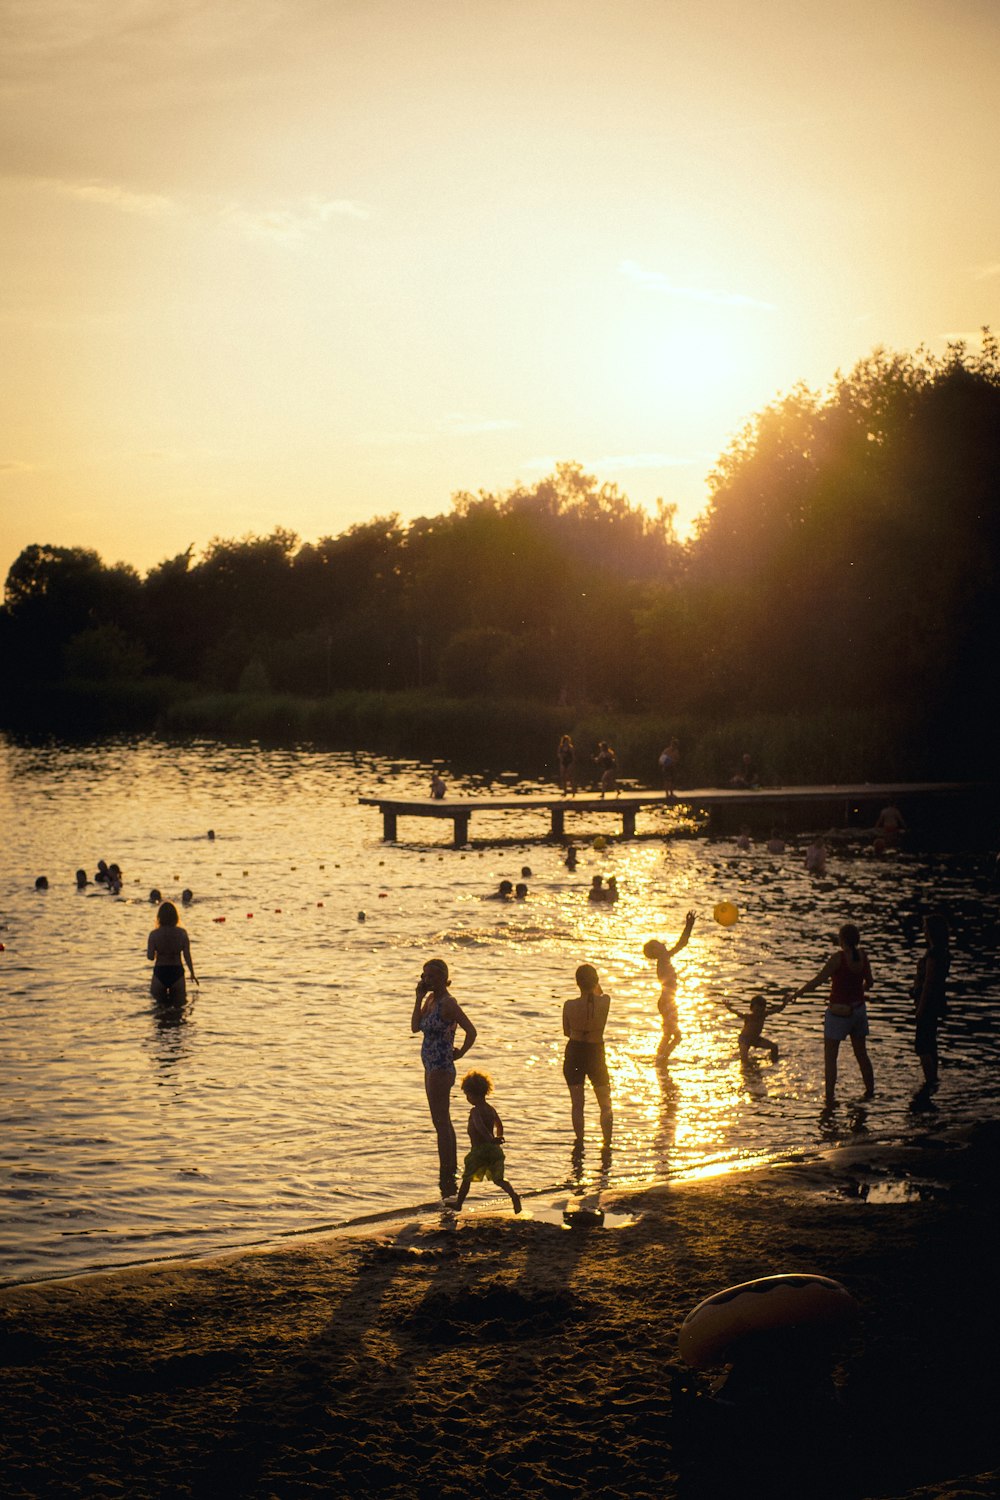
846, 560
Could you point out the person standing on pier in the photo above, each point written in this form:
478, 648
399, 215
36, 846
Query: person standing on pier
436, 1015
566, 756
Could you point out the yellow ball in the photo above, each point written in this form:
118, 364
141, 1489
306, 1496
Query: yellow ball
600, 842
725, 913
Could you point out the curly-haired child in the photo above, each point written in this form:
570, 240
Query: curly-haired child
486, 1159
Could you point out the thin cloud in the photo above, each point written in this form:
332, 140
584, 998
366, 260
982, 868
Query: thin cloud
112, 195
656, 281
458, 424
15, 466
986, 273
292, 224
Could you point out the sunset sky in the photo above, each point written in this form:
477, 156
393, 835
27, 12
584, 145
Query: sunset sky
304, 262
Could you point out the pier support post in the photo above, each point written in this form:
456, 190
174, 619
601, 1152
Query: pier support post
388, 824
558, 822
461, 829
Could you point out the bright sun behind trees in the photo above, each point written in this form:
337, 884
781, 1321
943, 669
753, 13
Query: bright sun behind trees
848, 556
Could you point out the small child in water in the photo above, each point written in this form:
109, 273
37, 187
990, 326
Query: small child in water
486, 1159
753, 1020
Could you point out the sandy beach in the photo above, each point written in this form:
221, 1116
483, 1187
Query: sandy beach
486, 1355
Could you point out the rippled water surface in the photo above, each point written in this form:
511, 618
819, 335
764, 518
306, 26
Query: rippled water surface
289, 1094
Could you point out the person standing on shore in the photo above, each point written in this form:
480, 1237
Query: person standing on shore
928, 994
850, 976
667, 975
584, 1018
436, 1015
169, 948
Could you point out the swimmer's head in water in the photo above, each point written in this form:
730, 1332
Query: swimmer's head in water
520, 890
586, 977
506, 887
167, 915
477, 1085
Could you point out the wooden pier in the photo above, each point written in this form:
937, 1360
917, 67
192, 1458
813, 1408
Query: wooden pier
832, 802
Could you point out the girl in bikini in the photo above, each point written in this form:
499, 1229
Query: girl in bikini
169, 949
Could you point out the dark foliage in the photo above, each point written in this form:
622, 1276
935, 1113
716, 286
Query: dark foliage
847, 559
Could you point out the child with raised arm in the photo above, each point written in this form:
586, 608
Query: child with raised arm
667, 975
486, 1159
753, 1020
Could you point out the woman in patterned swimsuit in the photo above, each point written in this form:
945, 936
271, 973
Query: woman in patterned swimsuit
436, 1014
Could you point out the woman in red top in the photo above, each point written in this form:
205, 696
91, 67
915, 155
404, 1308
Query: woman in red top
846, 1014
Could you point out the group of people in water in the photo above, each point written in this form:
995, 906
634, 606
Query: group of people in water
437, 1017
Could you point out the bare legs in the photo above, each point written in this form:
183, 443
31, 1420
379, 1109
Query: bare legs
830, 1050
438, 1083
602, 1093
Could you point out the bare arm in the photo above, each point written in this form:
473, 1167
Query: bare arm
730, 1006
829, 968
151, 945
186, 951
682, 941
462, 1020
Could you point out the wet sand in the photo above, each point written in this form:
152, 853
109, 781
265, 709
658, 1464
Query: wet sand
486, 1355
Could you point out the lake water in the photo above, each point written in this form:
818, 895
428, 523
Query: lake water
288, 1096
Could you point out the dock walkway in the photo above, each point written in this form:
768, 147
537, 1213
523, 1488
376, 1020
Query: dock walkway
826, 799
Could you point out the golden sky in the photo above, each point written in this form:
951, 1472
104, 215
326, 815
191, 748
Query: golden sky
304, 262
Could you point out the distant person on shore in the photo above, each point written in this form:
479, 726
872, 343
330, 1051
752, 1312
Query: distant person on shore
584, 1018
606, 762
438, 787
668, 762
775, 844
436, 1014
746, 776
169, 948
889, 825
850, 976
566, 760
929, 997
667, 975
753, 1020
816, 856
486, 1159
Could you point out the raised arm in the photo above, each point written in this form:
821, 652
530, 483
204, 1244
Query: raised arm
735, 1009
682, 941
